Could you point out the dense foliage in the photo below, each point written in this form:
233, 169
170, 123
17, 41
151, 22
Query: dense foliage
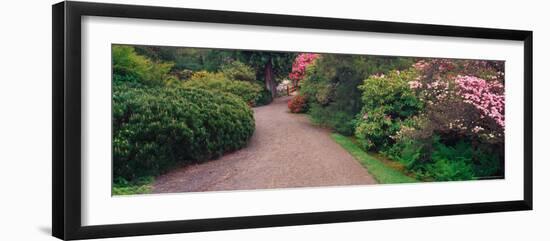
236, 70
219, 82
387, 103
265, 68
128, 66
331, 86
190, 59
443, 119
438, 119
264, 98
457, 133
175, 106
157, 128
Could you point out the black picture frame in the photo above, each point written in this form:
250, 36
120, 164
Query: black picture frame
66, 127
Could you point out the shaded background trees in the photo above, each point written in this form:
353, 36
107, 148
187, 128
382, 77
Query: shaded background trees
331, 85
269, 67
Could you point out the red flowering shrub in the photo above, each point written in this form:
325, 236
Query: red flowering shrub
299, 66
297, 104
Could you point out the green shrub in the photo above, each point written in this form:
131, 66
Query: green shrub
407, 151
391, 94
388, 101
341, 121
157, 128
238, 71
450, 170
375, 129
441, 160
332, 81
264, 98
488, 161
482, 159
128, 66
218, 82
451, 163
208, 76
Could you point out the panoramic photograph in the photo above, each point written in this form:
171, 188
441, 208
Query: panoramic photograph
187, 119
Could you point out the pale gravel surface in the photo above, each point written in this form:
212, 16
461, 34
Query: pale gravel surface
285, 151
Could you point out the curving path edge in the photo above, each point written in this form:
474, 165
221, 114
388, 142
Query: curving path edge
285, 151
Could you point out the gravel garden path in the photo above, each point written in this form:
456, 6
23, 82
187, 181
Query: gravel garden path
285, 151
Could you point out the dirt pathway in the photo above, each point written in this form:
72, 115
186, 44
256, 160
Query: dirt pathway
285, 151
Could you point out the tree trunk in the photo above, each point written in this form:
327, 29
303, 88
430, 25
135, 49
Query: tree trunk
270, 78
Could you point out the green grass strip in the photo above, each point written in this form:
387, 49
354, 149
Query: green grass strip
382, 173
131, 190
142, 186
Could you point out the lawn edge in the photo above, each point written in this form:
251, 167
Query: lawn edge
380, 171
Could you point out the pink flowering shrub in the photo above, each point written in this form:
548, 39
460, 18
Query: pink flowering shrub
442, 118
299, 66
486, 96
464, 97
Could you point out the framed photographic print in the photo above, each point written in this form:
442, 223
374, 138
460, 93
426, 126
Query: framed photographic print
170, 120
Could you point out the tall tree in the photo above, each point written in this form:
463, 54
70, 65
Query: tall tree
268, 65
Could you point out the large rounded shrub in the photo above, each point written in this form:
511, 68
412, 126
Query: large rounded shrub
157, 128
387, 102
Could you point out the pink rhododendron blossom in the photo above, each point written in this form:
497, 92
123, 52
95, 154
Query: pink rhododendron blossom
486, 96
300, 64
415, 84
438, 84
